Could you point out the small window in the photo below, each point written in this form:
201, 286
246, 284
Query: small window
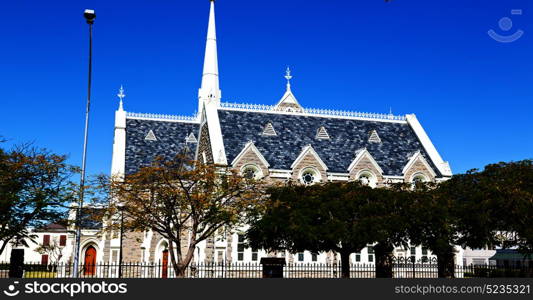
309, 176
191, 138
220, 256
322, 134
314, 256
413, 250
374, 137
62, 240
370, 253
424, 251
254, 254
367, 178
269, 130
251, 172
240, 247
114, 256
46, 240
300, 256
417, 179
357, 257
150, 136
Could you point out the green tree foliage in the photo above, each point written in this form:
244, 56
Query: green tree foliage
434, 225
386, 218
494, 206
34, 189
478, 209
339, 216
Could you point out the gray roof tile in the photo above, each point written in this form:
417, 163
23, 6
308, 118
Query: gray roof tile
398, 140
170, 141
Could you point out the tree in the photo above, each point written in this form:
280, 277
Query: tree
386, 219
502, 198
182, 198
34, 190
433, 224
509, 189
53, 249
328, 217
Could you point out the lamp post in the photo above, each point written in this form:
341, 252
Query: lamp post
89, 17
121, 208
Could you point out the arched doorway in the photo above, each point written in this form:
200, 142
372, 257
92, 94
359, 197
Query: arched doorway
164, 264
90, 261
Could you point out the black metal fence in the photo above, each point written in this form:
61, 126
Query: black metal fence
254, 270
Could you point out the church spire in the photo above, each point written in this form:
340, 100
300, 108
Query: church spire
210, 85
121, 96
288, 102
288, 77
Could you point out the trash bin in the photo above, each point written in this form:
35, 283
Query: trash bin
272, 267
16, 263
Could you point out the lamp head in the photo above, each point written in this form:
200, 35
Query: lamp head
89, 16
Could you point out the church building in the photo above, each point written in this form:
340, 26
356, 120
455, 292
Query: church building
278, 141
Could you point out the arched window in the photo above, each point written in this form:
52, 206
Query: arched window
309, 176
251, 172
368, 178
418, 179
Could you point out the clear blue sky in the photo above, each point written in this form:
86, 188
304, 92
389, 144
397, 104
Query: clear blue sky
434, 58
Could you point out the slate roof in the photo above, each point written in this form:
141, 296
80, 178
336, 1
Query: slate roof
399, 142
91, 218
170, 141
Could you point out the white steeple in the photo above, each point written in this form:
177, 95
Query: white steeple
118, 162
209, 93
210, 88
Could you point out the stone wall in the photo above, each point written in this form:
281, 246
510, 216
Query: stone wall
204, 145
309, 160
418, 167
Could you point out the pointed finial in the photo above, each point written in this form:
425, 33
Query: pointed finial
121, 95
390, 110
288, 77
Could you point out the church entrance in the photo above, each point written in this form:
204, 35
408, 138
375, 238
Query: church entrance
90, 261
164, 261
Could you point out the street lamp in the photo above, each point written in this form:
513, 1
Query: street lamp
89, 17
121, 208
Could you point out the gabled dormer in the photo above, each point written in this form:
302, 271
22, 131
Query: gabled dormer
250, 160
308, 167
365, 168
288, 102
418, 169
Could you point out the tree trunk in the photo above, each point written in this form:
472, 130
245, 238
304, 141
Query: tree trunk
446, 263
345, 264
179, 269
384, 257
